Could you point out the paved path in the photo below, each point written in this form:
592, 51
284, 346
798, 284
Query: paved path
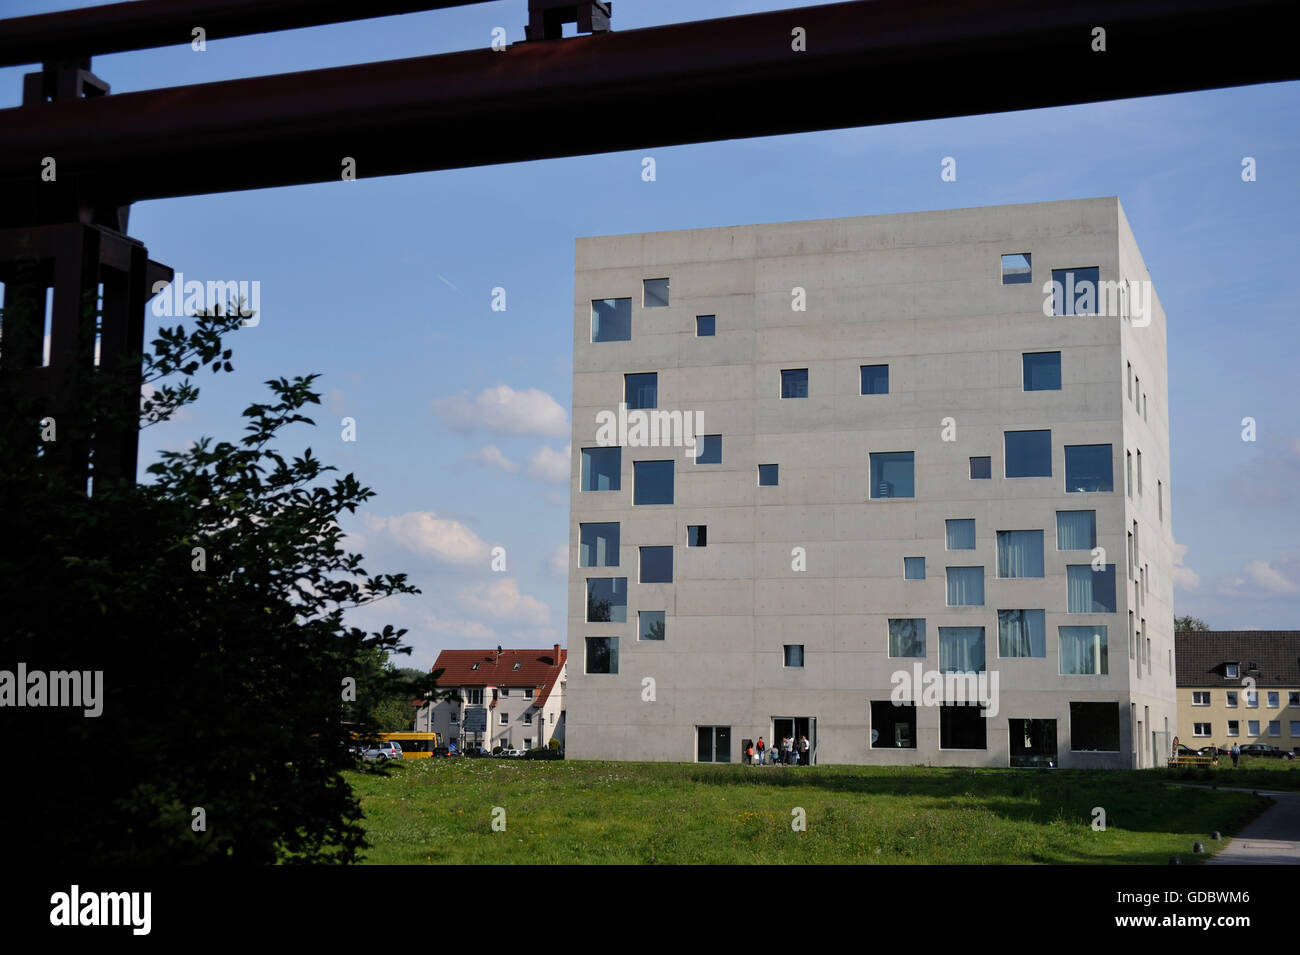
1272, 839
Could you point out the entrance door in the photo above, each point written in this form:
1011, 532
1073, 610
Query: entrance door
796, 727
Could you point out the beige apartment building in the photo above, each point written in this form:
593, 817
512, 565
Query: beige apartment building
1239, 686
897, 483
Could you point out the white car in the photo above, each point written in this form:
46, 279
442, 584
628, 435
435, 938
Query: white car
389, 750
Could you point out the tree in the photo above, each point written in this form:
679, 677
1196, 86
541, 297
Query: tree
1190, 623
210, 601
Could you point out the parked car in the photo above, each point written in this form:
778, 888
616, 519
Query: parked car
1263, 749
441, 751
1212, 751
512, 752
378, 751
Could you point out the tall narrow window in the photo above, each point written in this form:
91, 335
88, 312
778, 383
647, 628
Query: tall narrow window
1130, 381
1160, 500
1139, 471
1128, 470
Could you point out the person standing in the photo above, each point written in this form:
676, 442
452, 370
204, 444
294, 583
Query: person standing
760, 748
1236, 754
803, 749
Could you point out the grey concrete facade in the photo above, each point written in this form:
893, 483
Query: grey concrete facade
815, 561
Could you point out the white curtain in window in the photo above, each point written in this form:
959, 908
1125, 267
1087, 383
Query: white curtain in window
961, 649
1078, 580
961, 535
1083, 650
1022, 633
1020, 553
1076, 530
965, 586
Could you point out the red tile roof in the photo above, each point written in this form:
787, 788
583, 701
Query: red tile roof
538, 669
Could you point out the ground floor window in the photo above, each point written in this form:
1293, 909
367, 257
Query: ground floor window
893, 726
714, 744
1094, 727
962, 726
1033, 742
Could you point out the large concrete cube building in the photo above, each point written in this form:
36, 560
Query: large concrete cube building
923, 473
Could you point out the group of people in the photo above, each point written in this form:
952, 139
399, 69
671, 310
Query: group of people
789, 752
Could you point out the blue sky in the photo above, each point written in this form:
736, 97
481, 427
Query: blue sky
384, 287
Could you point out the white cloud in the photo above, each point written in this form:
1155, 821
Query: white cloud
501, 599
490, 456
504, 410
1184, 577
471, 629
423, 532
1266, 577
550, 465
334, 401
558, 561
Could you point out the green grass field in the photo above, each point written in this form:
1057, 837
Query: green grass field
441, 811
1251, 773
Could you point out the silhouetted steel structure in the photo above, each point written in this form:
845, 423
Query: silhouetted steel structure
811, 68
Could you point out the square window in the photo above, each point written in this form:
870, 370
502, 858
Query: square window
1273, 699
606, 599
697, 535
1094, 727
962, 726
1028, 453
965, 587
708, 449
960, 534
1252, 727
794, 654
641, 390
1083, 650
705, 326
981, 469
598, 545
1252, 699
1076, 530
602, 655
1230, 671
1074, 291
1016, 268
875, 379
893, 474
652, 482
961, 649
893, 725
1088, 590
611, 320
1042, 371
1088, 468
1274, 727
656, 565
1022, 633
1231, 701
1200, 698
914, 568
601, 469
1020, 553
794, 383
1293, 698
767, 475
1200, 729
907, 637
1234, 727
656, 293
652, 624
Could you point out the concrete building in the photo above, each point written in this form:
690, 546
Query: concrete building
1239, 686
506, 698
916, 450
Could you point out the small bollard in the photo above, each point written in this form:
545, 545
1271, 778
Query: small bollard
1215, 835
1198, 847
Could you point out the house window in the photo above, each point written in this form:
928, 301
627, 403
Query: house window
1130, 380
528, 721
453, 717
598, 545
1252, 727
713, 744
505, 718
1234, 727
1200, 729
1016, 268
611, 320
961, 649
875, 379
656, 565
893, 725
505, 691
893, 474
474, 697
1231, 701
794, 654
652, 625
1200, 698
600, 469
1033, 743
641, 390
1252, 699
652, 482
1273, 699
981, 469
606, 599
1128, 465
794, 383
602, 654
1293, 698
697, 535
1076, 530
708, 449
1088, 590
1020, 553
965, 586
1274, 727
767, 475
961, 534
1022, 633
1230, 671
655, 293
1295, 729
1028, 453
528, 693
907, 637
1083, 650
705, 326
1094, 727
528, 742
1041, 370
1088, 468
1160, 500
1074, 291
1139, 470
962, 726
914, 568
